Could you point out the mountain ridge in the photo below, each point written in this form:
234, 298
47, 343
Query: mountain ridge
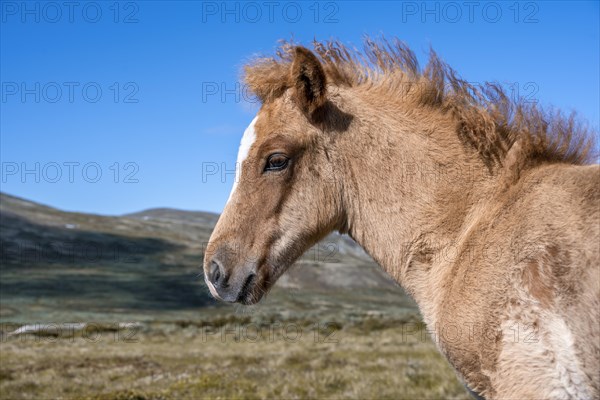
150, 260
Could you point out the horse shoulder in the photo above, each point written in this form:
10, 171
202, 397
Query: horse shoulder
533, 285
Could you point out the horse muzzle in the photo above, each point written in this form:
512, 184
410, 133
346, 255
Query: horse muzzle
241, 285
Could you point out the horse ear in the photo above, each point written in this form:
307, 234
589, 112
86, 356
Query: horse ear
308, 80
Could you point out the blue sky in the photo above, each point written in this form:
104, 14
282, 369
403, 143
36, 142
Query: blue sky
116, 107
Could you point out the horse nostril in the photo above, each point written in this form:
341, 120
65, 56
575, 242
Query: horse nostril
214, 273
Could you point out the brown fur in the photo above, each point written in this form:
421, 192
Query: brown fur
488, 119
481, 207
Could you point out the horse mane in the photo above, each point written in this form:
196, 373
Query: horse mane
488, 119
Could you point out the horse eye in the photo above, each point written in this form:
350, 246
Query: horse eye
276, 162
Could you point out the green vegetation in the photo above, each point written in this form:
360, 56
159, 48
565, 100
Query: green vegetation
238, 360
333, 327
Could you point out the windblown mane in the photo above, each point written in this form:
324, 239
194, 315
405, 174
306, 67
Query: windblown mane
488, 119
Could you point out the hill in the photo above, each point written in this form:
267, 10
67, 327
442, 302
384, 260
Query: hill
59, 265
116, 308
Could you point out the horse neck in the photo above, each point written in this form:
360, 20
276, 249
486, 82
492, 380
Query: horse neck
409, 184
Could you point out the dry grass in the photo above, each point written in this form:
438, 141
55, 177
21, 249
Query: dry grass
187, 360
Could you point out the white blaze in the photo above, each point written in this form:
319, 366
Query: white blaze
247, 141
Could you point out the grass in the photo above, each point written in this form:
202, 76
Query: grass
326, 330
230, 360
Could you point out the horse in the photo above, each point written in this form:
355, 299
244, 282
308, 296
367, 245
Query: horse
483, 207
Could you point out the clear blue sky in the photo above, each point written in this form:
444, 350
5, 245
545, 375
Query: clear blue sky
172, 57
